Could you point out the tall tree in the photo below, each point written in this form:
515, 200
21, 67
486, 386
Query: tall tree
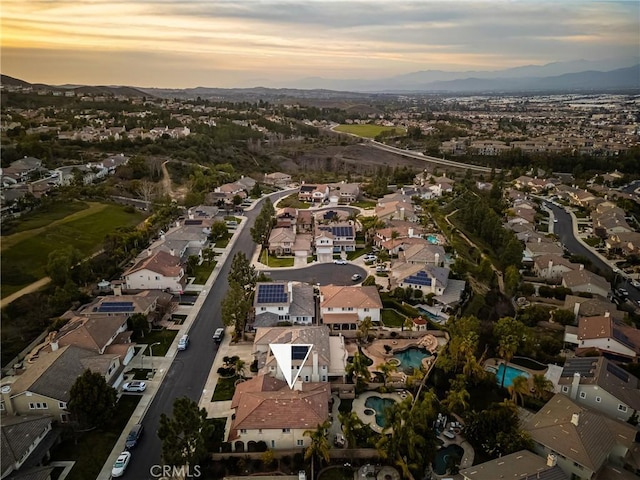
386, 369
242, 272
184, 435
235, 307
457, 399
510, 334
352, 425
92, 401
542, 386
358, 368
319, 448
518, 389
364, 329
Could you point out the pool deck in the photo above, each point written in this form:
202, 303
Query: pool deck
359, 407
492, 365
376, 352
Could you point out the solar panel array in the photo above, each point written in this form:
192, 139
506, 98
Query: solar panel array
193, 222
584, 366
420, 278
116, 307
621, 337
272, 293
345, 231
299, 352
616, 371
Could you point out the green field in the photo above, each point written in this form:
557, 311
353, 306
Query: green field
25, 254
367, 131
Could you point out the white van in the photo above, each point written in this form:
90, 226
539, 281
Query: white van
183, 343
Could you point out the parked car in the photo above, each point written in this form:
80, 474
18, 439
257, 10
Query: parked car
356, 276
340, 262
135, 386
635, 283
623, 293
183, 343
121, 464
381, 268
370, 258
134, 436
218, 335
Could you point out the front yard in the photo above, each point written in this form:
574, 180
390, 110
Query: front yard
275, 262
165, 337
91, 450
203, 271
225, 388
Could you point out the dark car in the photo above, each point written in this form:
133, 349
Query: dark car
217, 336
134, 436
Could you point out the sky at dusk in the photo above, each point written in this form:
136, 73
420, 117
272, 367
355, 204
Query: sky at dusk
246, 43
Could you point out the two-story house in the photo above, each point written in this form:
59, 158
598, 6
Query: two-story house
343, 308
313, 193
159, 271
343, 236
521, 465
427, 278
551, 267
601, 385
582, 280
277, 302
281, 241
605, 335
25, 443
277, 179
344, 193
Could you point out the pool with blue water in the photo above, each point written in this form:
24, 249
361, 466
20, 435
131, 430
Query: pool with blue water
451, 453
509, 375
379, 405
411, 358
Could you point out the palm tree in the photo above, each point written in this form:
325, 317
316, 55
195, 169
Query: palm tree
519, 388
408, 324
358, 368
386, 369
541, 386
457, 400
240, 367
351, 425
319, 445
510, 332
365, 328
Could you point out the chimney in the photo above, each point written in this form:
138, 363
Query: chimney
437, 259
575, 382
575, 419
576, 309
117, 290
550, 266
410, 232
54, 345
149, 252
607, 314
298, 385
178, 223
402, 213
581, 267
552, 460
172, 252
5, 392
191, 217
315, 376
162, 236
290, 290
539, 239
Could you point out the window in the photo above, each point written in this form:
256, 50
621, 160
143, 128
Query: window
259, 430
273, 444
62, 404
330, 309
565, 389
300, 443
243, 430
262, 309
64, 418
306, 378
583, 394
366, 309
598, 399
2, 407
324, 378
280, 308
286, 430
38, 406
622, 408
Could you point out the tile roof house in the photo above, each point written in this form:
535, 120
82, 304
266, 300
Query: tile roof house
552, 266
607, 336
345, 307
601, 385
281, 241
46, 383
344, 193
159, 271
326, 361
625, 243
344, 236
591, 307
428, 278
313, 193
266, 409
25, 440
522, 465
283, 302
423, 254
536, 248
277, 179
582, 441
582, 280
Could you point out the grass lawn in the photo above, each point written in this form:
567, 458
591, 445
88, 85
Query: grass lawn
368, 131
140, 373
593, 241
364, 204
275, 262
225, 388
25, 254
293, 202
92, 448
392, 318
222, 243
165, 337
358, 253
203, 271
42, 218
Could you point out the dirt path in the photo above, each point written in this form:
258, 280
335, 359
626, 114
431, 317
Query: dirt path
16, 238
167, 185
28, 289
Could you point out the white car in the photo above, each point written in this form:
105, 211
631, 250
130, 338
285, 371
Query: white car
355, 277
635, 283
135, 386
370, 258
340, 262
121, 464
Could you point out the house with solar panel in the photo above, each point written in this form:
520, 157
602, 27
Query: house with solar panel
313, 193
428, 278
158, 271
342, 235
606, 336
278, 302
601, 385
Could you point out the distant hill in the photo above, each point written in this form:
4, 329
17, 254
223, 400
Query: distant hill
78, 89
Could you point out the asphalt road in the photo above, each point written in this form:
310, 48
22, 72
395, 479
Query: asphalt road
564, 229
323, 274
189, 371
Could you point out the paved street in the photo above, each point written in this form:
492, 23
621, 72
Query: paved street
188, 373
322, 273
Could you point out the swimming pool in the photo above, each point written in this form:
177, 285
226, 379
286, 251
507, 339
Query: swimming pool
452, 453
379, 405
432, 239
511, 373
411, 358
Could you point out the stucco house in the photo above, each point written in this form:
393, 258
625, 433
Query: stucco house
427, 278
276, 302
601, 385
277, 179
266, 409
25, 442
159, 271
281, 241
551, 267
343, 236
343, 308
605, 335
522, 465
582, 280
